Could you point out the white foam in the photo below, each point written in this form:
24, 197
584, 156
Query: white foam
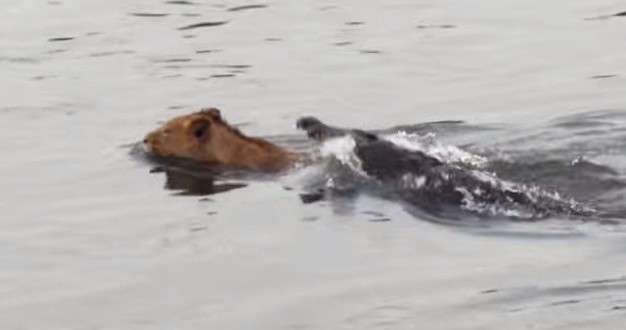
342, 149
411, 181
432, 147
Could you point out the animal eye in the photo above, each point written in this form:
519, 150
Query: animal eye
199, 129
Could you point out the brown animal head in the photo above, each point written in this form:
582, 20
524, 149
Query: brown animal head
205, 137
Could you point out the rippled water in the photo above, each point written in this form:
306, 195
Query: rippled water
91, 239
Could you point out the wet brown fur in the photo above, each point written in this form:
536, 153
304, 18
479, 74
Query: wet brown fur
204, 136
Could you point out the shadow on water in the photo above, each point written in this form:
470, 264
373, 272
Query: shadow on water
187, 178
194, 184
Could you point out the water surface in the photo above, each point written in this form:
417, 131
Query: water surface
91, 239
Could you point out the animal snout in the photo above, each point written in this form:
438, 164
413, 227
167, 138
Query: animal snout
150, 138
150, 142
313, 127
306, 123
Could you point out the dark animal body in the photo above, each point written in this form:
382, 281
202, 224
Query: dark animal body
432, 184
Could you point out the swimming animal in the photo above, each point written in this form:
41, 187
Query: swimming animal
413, 175
205, 137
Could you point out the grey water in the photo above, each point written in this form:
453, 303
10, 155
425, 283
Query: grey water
93, 237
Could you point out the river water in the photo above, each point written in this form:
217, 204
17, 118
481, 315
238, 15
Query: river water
93, 237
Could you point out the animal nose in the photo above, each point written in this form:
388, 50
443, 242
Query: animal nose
148, 138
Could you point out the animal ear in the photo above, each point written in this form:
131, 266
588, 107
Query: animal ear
212, 112
200, 128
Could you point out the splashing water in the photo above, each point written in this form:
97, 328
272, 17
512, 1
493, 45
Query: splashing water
342, 149
431, 146
459, 180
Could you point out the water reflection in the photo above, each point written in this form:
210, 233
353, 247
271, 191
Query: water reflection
195, 184
187, 178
